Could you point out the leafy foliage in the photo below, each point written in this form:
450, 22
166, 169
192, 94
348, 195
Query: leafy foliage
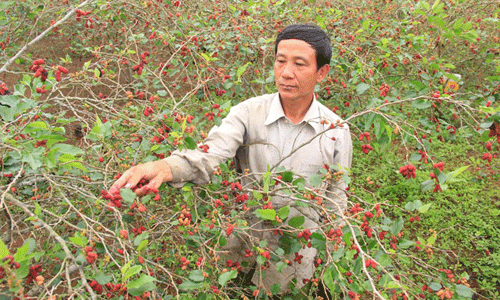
105, 85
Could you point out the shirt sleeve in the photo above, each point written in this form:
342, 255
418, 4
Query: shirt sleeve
342, 157
223, 141
343, 149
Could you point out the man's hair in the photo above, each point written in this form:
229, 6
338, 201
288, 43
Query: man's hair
311, 34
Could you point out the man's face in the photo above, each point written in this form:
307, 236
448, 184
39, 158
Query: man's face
295, 70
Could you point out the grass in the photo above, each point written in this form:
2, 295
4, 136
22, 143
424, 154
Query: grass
464, 216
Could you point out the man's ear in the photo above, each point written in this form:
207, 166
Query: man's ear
323, 71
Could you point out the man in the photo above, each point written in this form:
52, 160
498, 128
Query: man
289, 129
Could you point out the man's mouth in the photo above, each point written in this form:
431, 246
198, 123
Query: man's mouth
287, 87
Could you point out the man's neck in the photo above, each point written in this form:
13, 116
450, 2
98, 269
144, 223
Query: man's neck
295, 110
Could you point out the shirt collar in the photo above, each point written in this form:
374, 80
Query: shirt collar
276, 110
312, 116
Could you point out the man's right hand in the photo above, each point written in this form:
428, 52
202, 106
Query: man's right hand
155, 172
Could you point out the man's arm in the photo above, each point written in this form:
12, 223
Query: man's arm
190, 165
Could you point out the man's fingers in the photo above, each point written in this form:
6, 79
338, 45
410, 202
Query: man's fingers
129, 179
120, 182
156, 172
149, 188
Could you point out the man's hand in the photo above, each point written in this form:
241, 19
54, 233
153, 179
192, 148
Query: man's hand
156, 172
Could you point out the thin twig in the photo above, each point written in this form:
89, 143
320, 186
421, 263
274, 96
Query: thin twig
41, 35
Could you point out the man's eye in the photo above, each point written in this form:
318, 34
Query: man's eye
300, 64
280, 61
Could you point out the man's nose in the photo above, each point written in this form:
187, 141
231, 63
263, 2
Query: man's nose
288, 71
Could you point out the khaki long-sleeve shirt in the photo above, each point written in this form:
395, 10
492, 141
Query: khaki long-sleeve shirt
258, 135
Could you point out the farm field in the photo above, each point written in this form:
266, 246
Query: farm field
91, 88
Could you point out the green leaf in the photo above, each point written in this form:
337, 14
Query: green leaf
102, 278
78, 240
442, 178
289, 243
411, 206
222, 240
94, 134
70, 161
21, 252
283, 212
315, 180
423, 209
143, 284
261, 260
405, 244
435, 286
370, 118
131, 271
299, 184
387, 283
280, 266
287, 176
397, 226
190, 143
38, 209
242, 70
208, 58
296, 222
225, 277
35, 126
318, 241
427, 185
275, 289
188, 285
34, 158
452, 175
380, 127
125, 267
53, 139
464, 291
421, 104
14, 107
384, 260
266, 178
143, 244
128, 195
329, 278
432, 239
362, 87
24, 268
68, 149
266, 214
257, 195
4, 251
196, 275
138, 239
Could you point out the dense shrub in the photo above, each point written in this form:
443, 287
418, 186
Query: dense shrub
99, 86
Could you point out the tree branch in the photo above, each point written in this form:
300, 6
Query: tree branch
41, 35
